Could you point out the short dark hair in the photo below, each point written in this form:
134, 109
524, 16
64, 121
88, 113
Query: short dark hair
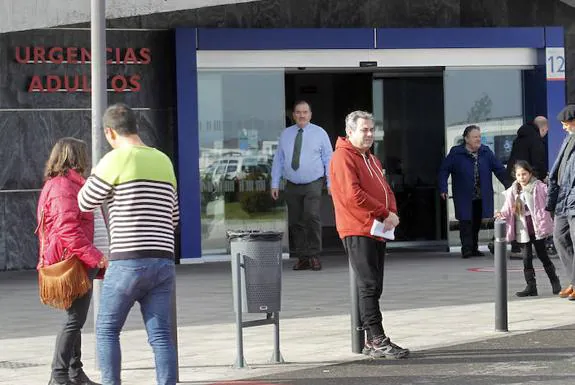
298, 102
468, 129
121, 119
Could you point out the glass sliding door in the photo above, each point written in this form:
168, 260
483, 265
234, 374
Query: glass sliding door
409, 141
493, 100
241, 115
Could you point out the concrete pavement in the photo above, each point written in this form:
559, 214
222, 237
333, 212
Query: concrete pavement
542, 357
431, 300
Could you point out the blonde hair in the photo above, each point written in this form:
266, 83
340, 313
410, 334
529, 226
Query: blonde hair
67, 154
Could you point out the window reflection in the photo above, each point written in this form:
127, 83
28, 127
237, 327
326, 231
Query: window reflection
241, 115
493, 100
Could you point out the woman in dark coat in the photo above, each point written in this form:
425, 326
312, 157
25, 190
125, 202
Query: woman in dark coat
471, 165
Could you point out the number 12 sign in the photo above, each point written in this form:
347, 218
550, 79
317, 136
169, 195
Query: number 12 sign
555, 63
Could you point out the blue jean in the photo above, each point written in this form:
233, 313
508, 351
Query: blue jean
150, 281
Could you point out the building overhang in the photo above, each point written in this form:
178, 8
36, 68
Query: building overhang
20, 15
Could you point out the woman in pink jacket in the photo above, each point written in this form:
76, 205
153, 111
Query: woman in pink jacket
529, 223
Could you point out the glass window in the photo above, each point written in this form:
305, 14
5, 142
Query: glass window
493, 100
241, 115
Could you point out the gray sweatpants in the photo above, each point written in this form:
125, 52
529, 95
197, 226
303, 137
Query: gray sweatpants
563, 237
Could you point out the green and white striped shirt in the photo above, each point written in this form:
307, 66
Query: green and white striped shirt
139, 185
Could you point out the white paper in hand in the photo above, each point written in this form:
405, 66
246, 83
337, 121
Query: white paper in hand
378, 230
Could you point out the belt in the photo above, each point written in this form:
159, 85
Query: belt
303, 184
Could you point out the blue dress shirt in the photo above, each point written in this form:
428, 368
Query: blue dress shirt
315, 155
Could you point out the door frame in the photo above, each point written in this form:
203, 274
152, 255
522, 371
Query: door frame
348, 47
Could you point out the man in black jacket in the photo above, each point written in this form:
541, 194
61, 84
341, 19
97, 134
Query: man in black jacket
530, 146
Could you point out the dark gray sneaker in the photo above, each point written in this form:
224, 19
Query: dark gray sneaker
366, 348
384, 348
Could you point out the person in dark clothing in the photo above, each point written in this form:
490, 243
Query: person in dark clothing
530, 145
561, 199
471, 166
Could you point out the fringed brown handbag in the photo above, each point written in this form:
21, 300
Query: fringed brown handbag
62, 282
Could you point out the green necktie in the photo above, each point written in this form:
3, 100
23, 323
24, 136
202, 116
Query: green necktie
297, 150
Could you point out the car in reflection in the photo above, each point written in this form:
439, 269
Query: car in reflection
237, 168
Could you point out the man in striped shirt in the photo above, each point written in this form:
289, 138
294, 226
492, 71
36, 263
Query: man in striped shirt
139, 185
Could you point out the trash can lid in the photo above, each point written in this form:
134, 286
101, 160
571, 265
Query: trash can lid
253, 235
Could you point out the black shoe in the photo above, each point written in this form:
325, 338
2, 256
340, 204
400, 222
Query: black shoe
531, 288
551, 249
82, 379
315, 264
553, 278
302, 264
466, 254
54, 382
384, 348
477, 253
529, 291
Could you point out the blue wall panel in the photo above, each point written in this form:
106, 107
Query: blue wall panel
556, 92
188, 144
460, 38
286, 38
554, 37
534, 93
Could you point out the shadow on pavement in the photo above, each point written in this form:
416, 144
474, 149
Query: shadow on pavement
540, 357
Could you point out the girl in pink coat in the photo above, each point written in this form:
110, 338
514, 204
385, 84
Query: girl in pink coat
529, 224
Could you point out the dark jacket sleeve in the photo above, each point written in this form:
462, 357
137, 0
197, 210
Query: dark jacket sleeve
445, 169
499, 170
538, 158
552, 194
552, 191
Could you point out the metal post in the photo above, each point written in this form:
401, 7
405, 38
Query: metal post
500, 277
98, 66
277, 356
357, 335
96, 290
99, 102
240, 361
174, 326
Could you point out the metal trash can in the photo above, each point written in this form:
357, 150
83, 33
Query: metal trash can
260, 254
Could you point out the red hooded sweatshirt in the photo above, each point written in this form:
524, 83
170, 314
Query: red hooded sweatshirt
359, 190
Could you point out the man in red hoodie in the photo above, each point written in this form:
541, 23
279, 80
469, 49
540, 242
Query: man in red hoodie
361, 195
